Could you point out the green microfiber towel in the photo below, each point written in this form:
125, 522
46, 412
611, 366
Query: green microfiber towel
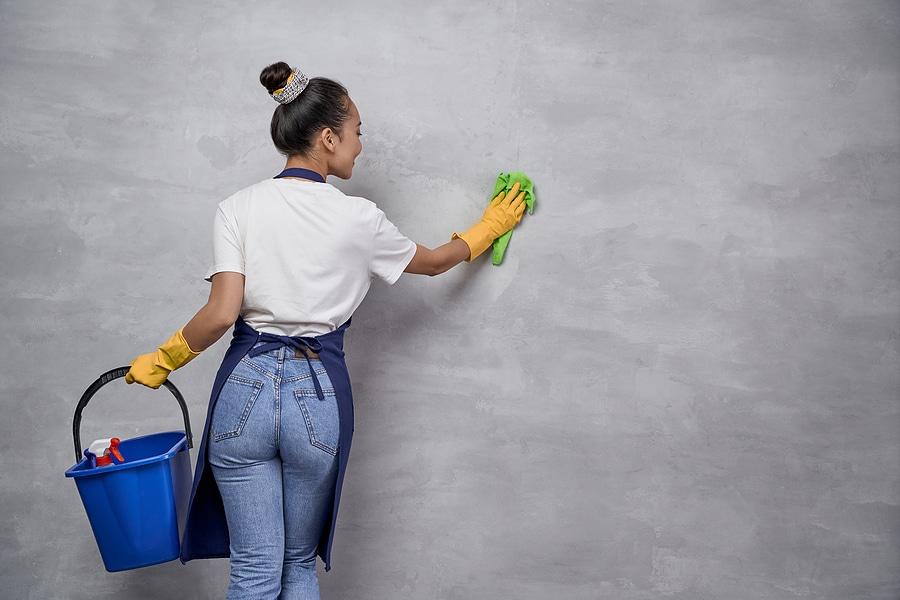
504, 182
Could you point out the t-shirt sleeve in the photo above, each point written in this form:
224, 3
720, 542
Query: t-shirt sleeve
392, 250
228, 250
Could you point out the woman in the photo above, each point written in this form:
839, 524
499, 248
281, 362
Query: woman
293, 258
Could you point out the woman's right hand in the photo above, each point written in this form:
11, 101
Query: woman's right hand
502, 214
505, 211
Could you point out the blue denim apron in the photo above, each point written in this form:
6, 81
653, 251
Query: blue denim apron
206, 531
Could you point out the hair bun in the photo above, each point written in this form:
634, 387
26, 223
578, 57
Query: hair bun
275, 76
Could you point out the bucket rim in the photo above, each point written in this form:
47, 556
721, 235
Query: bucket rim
78, 470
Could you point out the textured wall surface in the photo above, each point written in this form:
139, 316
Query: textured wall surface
683, 382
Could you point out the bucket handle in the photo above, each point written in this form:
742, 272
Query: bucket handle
110, 376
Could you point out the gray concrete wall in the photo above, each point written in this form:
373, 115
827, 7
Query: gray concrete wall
683, 382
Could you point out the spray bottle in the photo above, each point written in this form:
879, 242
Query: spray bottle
104, 451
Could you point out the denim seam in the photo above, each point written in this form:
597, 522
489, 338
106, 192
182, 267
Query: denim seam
258, 368
307, 375
278, 380
313, 394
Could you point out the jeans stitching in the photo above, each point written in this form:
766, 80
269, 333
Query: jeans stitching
276, 420
258, 368
306, 375
312, 393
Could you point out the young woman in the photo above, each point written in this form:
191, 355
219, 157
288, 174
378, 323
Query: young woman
293, 258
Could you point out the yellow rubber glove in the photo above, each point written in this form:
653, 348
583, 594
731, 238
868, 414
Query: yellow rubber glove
502, 214
153, 369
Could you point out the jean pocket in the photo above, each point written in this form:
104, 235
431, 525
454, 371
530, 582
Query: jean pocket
321, 418
233, 407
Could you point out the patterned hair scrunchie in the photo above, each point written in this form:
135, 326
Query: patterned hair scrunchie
296, 83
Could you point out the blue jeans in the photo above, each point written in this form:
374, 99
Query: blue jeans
273, 451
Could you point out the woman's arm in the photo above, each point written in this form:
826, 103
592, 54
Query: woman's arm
209, 324
501, 215
220, 312
443, 258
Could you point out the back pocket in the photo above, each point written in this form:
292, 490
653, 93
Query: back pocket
233, 407
321, 418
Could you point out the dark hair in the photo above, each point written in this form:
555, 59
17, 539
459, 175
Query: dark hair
324, 103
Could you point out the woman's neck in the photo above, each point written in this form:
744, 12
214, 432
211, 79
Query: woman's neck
305, 162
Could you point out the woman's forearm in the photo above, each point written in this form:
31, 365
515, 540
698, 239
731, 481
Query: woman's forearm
218, 315
439, 260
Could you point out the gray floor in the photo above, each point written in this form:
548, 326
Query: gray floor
683, 381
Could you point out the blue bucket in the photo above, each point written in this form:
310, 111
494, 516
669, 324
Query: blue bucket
137, 509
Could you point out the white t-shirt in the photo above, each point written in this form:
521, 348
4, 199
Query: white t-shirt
308, 253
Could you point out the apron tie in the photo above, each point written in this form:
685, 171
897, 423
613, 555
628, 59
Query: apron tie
302, 344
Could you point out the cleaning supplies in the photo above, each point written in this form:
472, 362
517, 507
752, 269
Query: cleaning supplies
101, 452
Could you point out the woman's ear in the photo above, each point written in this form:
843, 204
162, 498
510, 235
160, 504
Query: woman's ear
328, 138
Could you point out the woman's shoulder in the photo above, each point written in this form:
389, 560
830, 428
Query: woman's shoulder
321, 195
279, 188
248, 192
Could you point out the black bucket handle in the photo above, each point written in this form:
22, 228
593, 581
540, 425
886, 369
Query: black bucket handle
103, 380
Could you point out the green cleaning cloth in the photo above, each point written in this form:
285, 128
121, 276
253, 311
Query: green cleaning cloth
504, 182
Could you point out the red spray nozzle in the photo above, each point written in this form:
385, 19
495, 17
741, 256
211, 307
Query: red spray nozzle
114, 449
